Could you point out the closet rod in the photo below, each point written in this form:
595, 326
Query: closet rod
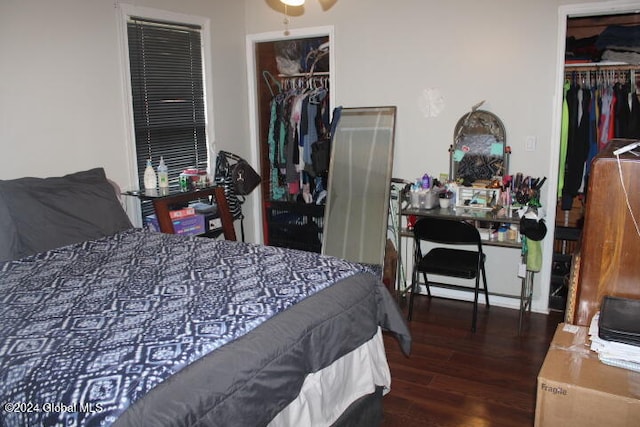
322, 73
595, 67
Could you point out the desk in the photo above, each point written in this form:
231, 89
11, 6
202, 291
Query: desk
476, 215
468, 214
165, 197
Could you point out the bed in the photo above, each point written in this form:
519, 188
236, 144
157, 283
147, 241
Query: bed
105, 324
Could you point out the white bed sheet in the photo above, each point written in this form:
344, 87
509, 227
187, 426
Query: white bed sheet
326, 394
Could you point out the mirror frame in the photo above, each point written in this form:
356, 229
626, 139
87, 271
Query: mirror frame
359, 187
479, 150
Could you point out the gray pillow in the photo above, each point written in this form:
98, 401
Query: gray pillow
8, 234
51, 212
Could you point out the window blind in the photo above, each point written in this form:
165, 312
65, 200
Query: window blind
168, 96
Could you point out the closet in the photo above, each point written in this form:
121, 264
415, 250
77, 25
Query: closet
602, 71
293, 103
600, 102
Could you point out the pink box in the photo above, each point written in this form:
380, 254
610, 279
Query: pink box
185, 226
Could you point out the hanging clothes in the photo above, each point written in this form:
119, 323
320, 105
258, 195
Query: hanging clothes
598, 105
564, 136
578, 146
622, 109
606, 101
634, 120
299, 118
593, 130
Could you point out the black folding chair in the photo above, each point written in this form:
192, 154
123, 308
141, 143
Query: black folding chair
446, 261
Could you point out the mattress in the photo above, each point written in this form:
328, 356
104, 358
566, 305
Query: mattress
152, 329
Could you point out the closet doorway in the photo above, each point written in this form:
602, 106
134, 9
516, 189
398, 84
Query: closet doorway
570, 17
270, 77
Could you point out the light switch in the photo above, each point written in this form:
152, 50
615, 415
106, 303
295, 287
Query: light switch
530, 143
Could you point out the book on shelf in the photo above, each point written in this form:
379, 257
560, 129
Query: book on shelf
182, 213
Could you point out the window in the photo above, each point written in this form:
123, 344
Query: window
167, 89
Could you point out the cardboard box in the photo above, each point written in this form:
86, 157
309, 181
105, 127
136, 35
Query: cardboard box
576, 389
188, 226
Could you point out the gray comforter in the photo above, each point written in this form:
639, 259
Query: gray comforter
152, 329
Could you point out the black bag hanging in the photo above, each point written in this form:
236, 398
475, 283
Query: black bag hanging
223, 179
238, 179
244, 178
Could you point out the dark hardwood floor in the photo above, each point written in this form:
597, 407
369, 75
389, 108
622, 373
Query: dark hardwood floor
456, 378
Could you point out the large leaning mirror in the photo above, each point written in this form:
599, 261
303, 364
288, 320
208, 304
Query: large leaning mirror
355, 219
479, 150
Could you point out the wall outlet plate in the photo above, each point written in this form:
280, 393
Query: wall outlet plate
530, 143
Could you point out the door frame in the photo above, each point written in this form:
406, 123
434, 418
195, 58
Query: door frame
252, 84
565, 12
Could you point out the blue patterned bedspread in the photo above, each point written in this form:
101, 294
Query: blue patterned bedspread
88, 329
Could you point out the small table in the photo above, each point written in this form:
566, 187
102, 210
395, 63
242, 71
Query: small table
163, 198
477, 215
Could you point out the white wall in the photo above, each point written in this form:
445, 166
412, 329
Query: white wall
500, 51
61, 84
61, 97
387, 53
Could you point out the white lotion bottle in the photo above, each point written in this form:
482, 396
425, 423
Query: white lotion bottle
150, 180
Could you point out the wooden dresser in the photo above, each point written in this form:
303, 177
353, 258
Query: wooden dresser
610, 251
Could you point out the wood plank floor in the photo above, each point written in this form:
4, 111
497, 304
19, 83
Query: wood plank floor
456, 378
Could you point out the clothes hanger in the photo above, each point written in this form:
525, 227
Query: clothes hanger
270, 79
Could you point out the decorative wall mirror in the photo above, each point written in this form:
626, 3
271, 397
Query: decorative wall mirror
479, 150
355, 218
